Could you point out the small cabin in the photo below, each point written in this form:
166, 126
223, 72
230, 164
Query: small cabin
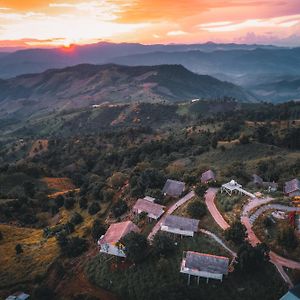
208, 176
292, 188
180, 225
153, 210
204, 265
173, 188
110, 242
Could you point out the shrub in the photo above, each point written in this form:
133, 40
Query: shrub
19, 249
286, 237
119, 208
76, 218
72, 247
162, 244
236, 233
136, 246
97, 229
69, 203
94, 208
83, 203
200, 190
196, 209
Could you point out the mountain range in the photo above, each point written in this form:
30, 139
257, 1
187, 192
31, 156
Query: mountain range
256, 68
87, 85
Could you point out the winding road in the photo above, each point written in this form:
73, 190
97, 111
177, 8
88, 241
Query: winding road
276, 259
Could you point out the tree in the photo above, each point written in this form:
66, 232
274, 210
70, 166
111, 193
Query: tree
71, 247
162, 244
196, 209
76, 218
236, 232
136, 246
69, 203
1, 236
250, 259
286, 237
200, 189
29, 188
119, 208
19, 249
94, 208
117, 180
244, 139
97, 229
59, 200
83, 203
43, 292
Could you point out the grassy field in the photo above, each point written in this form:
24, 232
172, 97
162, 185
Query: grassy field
38, 254
159, 278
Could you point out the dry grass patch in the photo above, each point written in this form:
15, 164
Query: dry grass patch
38, 147
38, 254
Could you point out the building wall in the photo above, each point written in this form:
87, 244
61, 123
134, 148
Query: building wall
201, 274
176, 231
112, 250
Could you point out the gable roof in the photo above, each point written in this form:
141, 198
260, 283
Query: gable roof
173, 188
207, 262
257, 179
118, 230
181, 223
292, 186
150, 208
208, 175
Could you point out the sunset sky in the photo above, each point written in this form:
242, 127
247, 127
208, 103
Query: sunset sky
33, 23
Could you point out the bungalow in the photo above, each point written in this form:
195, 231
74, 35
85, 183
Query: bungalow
230, 187
292, 188
204, 265
292, 294
179, 225
257, 180
173, 188
208, 176
18, 296
110, 242
153, 210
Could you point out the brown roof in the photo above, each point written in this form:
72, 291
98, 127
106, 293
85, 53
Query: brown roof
181, 223
173, 188
118, 230
292, 186
207, 262
149, 207
207, 176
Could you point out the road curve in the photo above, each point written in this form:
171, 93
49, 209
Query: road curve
171, 209
210, 196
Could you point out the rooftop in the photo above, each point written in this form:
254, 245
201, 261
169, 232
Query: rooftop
173, 188
118, 230
18, 296
232, 185
207, 262
181, 223
257, 179
149, 207
208, 175
292, 186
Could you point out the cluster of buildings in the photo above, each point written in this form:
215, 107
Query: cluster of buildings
193, 263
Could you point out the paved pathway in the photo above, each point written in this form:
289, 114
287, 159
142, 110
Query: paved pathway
210, 203
276, 259
218, 240
264, 208
180, 202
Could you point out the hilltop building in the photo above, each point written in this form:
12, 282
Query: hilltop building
180, 225
110, 242
173, 188
204, 265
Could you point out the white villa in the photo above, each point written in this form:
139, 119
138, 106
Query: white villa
204, 265
233, 187
110, 242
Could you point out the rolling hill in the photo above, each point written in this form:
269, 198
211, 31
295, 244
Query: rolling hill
85, 85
